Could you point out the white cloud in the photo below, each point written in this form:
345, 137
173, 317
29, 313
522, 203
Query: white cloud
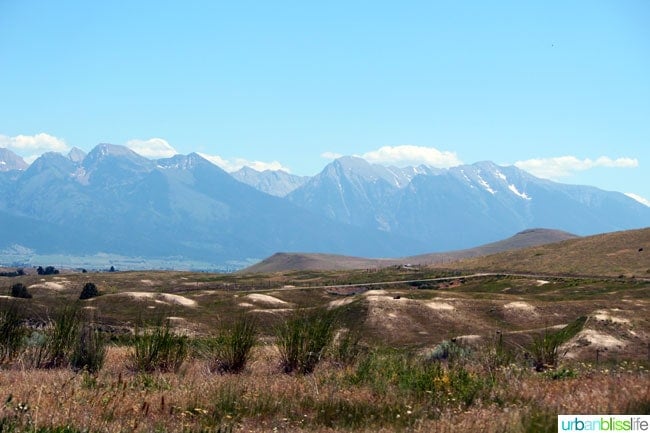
412, 155
638, 198
152, 148
31, 146
235, 164
563, 166
330, 155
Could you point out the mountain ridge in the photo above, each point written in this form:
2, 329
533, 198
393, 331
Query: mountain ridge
113, 200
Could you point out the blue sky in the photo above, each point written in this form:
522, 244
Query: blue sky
559, 88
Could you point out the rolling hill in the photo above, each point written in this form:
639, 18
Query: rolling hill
625, 253
313, 261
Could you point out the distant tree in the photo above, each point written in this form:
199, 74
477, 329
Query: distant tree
19, 290
89, 291
50, 270
112, 269
16, 273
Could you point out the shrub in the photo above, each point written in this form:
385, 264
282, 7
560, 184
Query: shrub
390, 371
447, 350
11, 333
89, 291
303, 338
234, 345
57, 346
89, 351
545, 348
158, 348
19, 290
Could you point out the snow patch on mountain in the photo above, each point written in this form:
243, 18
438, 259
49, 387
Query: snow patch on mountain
485, 185
523, 195
638, 198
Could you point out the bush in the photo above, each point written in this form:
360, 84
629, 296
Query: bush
391, 371
60, 339
158, 349
19, 290
89, 351
11, 333
545, 348
303, 338
447, 351
234, 345
89, 291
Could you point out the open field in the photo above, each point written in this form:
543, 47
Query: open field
332, 399
389, 376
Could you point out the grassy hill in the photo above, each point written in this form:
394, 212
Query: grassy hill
625, 253
328, 262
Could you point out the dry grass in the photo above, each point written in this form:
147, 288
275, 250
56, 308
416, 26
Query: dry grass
410, 318
624, 253
262, 399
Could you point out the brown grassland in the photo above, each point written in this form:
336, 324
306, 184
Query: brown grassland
412, 349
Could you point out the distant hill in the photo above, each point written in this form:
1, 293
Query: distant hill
321, 262
625, 253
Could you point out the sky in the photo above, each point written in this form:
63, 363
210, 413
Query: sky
560, 89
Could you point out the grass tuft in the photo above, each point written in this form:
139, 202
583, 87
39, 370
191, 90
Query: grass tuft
90, 350
12, 333
545, 348
233, 347
158, 349
303, 338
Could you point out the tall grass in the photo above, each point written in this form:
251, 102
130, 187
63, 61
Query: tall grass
303, 338
545, 347
233, 347
89, 351
54, 348
12, 332
158, 348
347, 348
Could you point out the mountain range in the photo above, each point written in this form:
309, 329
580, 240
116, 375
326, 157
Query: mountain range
185, 208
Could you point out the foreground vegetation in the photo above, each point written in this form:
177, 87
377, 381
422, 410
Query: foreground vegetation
383, 391
401, 350
313, 376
